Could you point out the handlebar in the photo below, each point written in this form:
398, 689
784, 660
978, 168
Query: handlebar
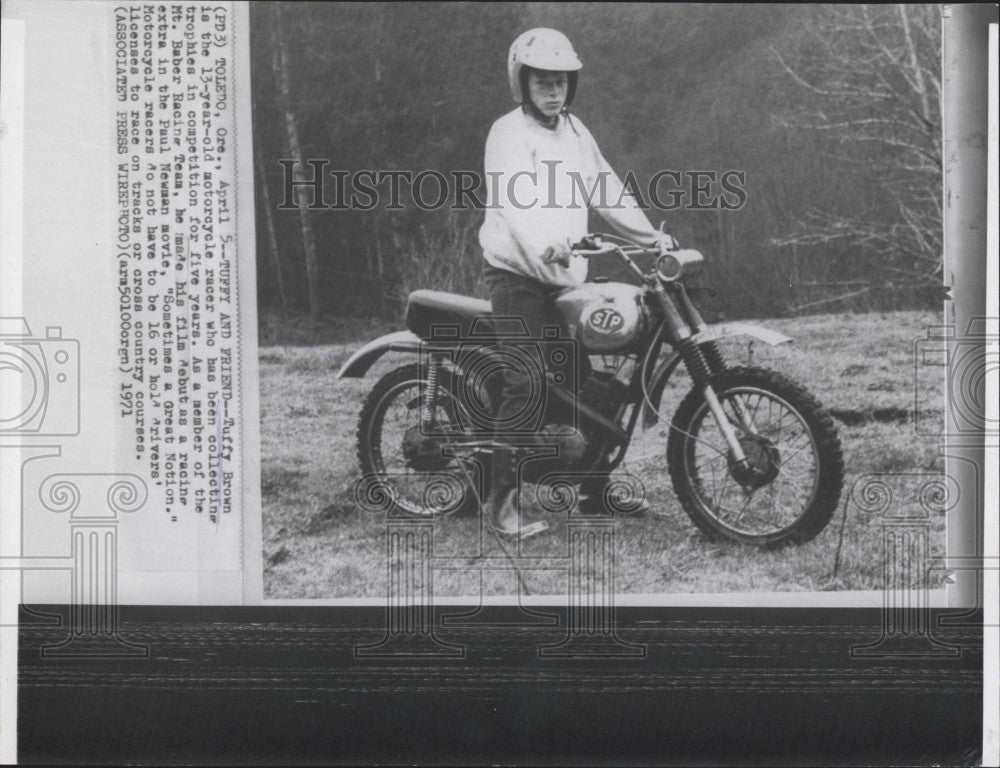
670, 265
595, 245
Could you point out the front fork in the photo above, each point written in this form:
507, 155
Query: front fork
701, 360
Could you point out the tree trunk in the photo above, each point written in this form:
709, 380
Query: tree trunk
723, 255
384, 149
917, 71
283, 80
379, 267
272, 237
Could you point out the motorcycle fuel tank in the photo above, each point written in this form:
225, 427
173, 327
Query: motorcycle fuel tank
603, 317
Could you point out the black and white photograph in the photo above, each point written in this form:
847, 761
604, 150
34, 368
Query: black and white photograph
727, 217
465, 383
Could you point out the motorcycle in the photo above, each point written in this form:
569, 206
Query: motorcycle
752, 455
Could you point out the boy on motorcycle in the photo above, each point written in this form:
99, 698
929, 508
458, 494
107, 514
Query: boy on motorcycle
544, 170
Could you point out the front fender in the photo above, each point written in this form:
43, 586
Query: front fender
658, 380
357, 365
723, 330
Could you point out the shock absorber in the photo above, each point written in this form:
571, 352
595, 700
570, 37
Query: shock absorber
429, 402
697, 365
713, 356
710, 349
680, 330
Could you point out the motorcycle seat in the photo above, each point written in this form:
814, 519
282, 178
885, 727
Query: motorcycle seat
436, 314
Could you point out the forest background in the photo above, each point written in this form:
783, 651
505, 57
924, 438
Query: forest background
831, 112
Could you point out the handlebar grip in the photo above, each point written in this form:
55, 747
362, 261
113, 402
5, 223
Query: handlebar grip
586, 243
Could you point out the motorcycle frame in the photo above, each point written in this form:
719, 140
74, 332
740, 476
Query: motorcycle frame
678, 322
678, 318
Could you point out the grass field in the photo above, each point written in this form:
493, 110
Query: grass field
318, 543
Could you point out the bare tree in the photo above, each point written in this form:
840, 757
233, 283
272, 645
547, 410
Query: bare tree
283, 81
272, 239
868, 78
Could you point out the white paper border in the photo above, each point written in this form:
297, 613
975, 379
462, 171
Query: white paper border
12, 34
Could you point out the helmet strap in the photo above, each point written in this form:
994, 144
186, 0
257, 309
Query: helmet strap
529, 106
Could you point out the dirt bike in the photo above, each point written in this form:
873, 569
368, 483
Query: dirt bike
752, 455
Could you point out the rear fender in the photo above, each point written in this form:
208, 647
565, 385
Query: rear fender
658, 379
357, 365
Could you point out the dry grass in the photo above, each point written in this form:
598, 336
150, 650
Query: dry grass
318, 543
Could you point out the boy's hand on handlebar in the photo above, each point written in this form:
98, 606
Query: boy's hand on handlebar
667, 243
558, 253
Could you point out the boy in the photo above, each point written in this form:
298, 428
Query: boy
544, 171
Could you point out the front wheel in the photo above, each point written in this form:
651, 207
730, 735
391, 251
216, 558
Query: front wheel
787, 489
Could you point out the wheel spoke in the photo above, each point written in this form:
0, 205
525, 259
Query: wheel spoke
776, 501
792, 452
797, 447
720, 487
742, 415
784, 474
750, 495
724, 454
394, 455
777, 426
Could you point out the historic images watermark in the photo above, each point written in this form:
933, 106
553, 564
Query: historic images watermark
413, 622
967, 357
48, 371
905, 503
908, 504
448, 473
463, 190
44, 402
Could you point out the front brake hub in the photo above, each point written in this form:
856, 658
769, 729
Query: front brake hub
761, 465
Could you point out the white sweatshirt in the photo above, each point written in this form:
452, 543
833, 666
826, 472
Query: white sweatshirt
533, 200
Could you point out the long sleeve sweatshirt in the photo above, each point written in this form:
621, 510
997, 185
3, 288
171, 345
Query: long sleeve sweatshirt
540, 184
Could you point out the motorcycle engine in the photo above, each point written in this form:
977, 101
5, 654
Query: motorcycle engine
578, 450
572, 447
570, 441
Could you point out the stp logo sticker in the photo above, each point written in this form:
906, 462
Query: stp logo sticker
606, 320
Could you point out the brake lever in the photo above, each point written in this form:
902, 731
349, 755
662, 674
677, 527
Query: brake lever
586, 243
590, 246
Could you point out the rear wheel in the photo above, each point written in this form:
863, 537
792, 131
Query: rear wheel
405, 466
787, 490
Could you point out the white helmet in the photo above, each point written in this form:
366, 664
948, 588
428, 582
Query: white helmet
540, 48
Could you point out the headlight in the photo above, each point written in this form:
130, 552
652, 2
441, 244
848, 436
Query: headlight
679, 264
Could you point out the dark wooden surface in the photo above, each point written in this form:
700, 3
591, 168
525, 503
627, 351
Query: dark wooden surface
284, 685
